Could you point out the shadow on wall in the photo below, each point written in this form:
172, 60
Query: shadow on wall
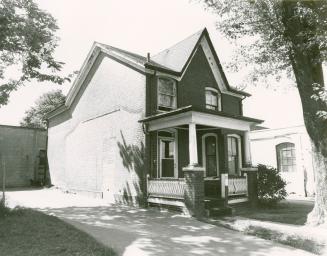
133, 161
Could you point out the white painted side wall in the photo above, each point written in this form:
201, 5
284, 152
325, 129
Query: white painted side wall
84, 152
263, 149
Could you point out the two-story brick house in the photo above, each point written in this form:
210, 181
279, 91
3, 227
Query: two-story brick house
128, 116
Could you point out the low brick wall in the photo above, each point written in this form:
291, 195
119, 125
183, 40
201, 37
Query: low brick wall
194, 190
252, 175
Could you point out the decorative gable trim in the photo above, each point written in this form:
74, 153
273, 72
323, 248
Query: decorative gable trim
85, 69
215, 66
213, 60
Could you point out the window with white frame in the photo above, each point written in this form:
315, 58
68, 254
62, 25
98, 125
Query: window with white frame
166, 94
212, 99
286, 158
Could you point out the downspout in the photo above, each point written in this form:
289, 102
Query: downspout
241, 105
46, 166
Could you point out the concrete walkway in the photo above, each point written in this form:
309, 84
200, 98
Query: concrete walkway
134, 231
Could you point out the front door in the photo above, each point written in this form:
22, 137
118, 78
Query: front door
167, 157
210, 157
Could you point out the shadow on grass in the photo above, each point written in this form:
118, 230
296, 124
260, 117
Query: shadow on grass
288, 211
17, 189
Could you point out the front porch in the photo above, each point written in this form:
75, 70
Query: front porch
216, 145
230, 190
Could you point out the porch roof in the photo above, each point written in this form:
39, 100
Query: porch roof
189, 114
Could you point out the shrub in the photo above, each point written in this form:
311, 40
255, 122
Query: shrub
4, 210
271, 186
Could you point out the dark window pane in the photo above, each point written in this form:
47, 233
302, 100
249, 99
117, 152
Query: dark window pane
166, 86
167, 166
167, 149
211, 100
232, 165
211, 156
232, 155
211, 166
229, 142
211, 145
167, 155
166, 94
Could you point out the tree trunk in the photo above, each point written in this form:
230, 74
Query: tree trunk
317, 130
307, 74
318, 216
307, 67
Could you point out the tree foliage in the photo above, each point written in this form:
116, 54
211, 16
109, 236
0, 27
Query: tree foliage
263, 32
35, 117
27, 44
286, 35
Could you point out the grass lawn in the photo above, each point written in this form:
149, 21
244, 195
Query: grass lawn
287, 212
290, 212
28, 232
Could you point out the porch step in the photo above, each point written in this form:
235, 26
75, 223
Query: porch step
169, 204
213, 202
218, 211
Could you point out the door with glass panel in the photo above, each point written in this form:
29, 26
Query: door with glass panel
167, 157
211, 160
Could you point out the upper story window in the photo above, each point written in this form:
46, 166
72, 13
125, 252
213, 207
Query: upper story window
212, 99
286, 158
166, 94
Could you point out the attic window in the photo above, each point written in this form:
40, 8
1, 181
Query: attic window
213, 100
166, 94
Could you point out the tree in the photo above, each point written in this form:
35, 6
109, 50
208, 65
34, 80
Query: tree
27, 44
35, 117
287, 36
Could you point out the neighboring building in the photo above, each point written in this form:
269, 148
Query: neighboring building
127, 116
288, 150
23, 155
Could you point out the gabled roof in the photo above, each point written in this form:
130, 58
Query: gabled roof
177, 56
133, 56
173, 60
139, 59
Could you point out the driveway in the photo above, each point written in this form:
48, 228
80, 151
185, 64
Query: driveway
134, 231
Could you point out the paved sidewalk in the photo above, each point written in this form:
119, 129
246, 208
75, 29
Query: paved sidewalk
133, 231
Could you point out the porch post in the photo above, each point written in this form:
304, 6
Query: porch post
192, 146
247, 148
193, 174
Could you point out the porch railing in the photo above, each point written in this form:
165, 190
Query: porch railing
166, 188
237, 186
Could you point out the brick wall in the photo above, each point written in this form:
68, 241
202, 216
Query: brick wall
191, 89
19, 147
98, 145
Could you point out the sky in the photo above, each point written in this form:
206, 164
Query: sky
145, 26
